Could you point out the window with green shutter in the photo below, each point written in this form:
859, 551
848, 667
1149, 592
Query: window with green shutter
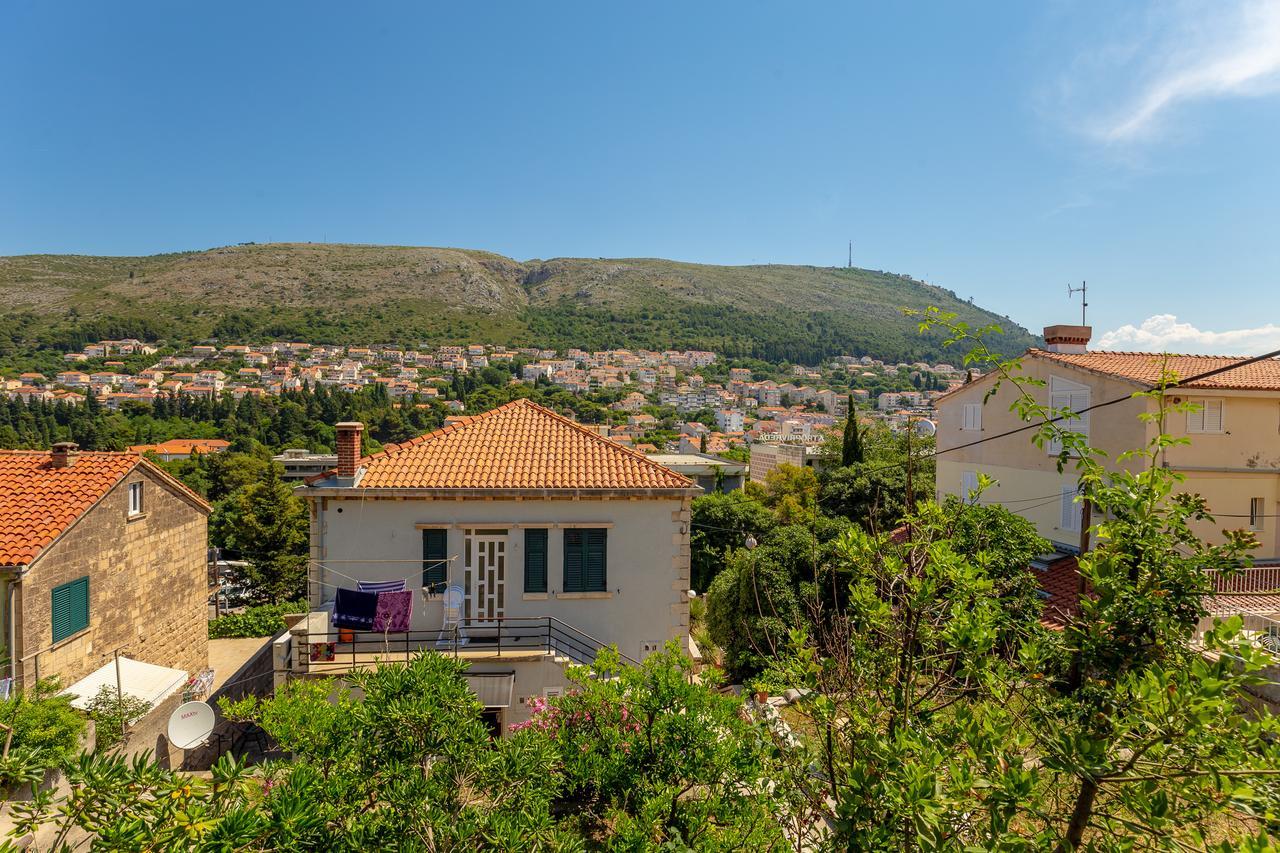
435, 559
535, 559
70, 608
585, 560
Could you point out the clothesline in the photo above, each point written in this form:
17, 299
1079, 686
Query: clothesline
325, 565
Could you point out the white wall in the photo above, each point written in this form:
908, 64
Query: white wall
647, 559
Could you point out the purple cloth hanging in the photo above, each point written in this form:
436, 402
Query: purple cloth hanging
395, 610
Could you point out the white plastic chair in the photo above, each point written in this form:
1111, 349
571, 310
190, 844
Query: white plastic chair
452, 601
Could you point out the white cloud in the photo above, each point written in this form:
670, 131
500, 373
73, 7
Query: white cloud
1179, 52
1163, 333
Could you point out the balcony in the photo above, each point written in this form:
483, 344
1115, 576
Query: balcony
313, 648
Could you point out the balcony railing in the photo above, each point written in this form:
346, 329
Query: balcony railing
1256, 579
495, 638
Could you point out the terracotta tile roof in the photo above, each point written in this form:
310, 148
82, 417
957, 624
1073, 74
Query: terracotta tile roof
183, 446
1061, 582
38, 502
1144, 367
517, 446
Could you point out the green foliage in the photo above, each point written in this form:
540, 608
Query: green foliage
721, 523
112, 713
633, 758
46, 733
269, 526
263, 620
666, 760
944, 715
752, 606
790, 491
851, 438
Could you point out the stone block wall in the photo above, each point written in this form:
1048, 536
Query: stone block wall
148, 585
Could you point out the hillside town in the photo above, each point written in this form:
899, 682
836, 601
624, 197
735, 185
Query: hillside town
744, 410
619, 428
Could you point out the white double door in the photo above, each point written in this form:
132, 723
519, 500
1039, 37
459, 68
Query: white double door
485, 576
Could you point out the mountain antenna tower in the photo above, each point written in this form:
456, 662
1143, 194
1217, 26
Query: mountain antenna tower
1083, 290
850, 255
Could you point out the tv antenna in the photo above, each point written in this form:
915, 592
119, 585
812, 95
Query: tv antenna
1083, 290
850, 255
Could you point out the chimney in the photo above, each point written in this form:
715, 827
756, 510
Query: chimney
64, 454
1067, 338
348, 448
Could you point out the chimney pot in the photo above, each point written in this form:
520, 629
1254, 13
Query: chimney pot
64, 454
349, 433
1062, 338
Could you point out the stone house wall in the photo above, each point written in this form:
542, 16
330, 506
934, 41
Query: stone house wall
148, 586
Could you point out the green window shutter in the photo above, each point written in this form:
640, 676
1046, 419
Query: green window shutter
435, 558
70, 608
535, 559
573, 554
594, 571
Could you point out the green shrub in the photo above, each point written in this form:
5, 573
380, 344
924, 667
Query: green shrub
110, 711
46, 732
265, 620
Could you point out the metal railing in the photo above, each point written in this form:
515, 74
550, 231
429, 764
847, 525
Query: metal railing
1256, 580
499, 636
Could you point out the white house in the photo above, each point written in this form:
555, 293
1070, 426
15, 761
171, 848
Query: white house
562, 541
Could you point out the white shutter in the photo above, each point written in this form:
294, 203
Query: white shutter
1080, 423
968, 485
1195, 420
1207, 417
973, 416
1068, 395
1213, 416
1070, 519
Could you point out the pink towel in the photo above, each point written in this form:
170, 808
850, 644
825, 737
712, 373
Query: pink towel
395, 609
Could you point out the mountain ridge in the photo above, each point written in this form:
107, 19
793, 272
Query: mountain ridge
342, 291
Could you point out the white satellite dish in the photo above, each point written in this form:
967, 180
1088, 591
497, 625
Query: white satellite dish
191, 724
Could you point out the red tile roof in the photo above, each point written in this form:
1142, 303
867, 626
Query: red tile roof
183, 446
517, 446
38, 502
1061, 580
1144, 367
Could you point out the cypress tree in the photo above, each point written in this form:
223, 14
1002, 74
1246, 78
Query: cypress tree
851, 440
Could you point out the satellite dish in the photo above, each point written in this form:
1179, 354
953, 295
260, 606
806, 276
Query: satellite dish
190, 724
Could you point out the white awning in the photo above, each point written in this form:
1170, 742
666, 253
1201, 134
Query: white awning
493, 689
148, 682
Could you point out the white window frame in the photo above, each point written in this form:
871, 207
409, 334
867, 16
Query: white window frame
968, 485
1257, 513
136, 504
972, 417
1201, 420
1071, 511
1064, 393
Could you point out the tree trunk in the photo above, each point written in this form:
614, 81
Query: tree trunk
1080, 816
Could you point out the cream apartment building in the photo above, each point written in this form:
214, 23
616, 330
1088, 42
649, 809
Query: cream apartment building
1233, 458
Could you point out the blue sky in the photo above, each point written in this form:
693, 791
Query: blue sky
998, 149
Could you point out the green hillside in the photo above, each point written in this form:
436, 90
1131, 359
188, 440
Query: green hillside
410, 295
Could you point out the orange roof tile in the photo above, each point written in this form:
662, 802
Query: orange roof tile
38, 502
1061, 584
520, 445
1145, 367
183, 445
